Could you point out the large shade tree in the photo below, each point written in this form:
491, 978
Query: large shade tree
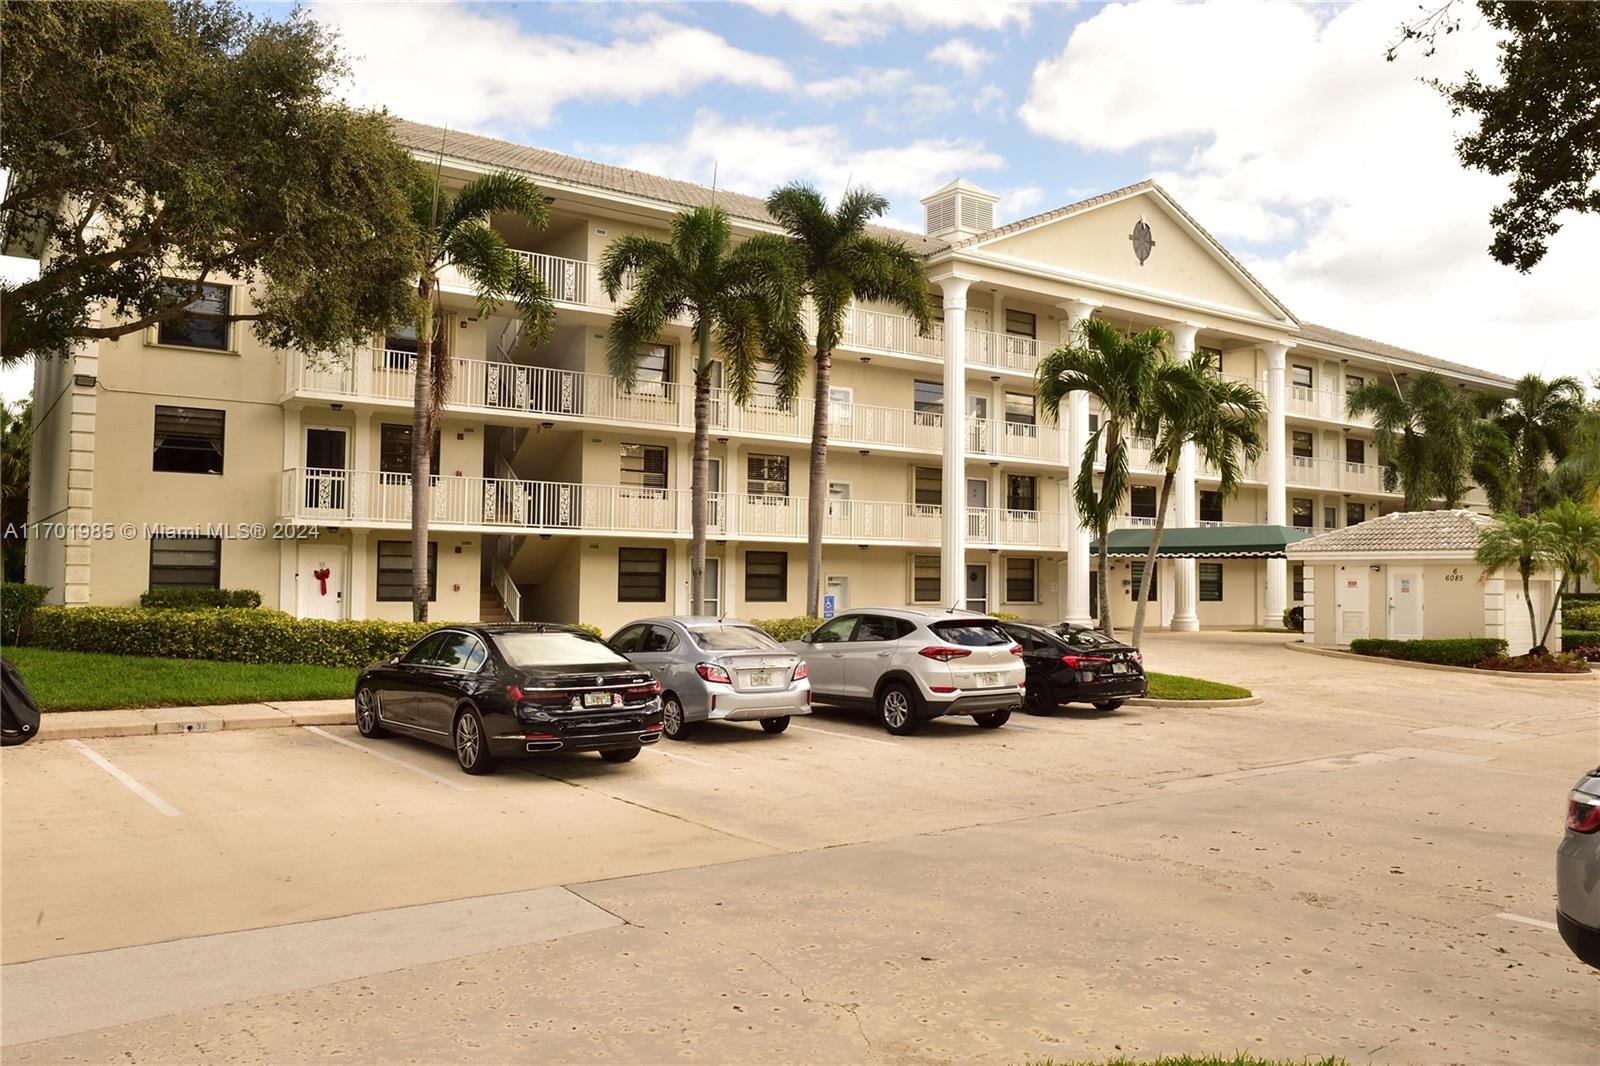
743, 299
1119, 371
455, 230
1425, 432
16, 448
153, 147
841, 262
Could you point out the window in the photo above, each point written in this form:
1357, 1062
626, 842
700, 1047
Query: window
1300, 376
1302, 509
766, 577
1355, 513
1210, 505
1021, 409
1302, 443
837, 631
394, 450
559, 648
768, 475
936, 304
925, 579
1352, 382
629, 639
641, 575
766, 383
1022, 584
185, 562
188, 440
1094, 422
1022, 492
1355, 450
394, 571
655, 370
659, 639
1142, 500
733, 638
927, 397
1022, 323
423, 650
1135, 571
928, 486
875, 627
644, 466
400, 348
1330, 516
196, 332
1210, 582
460, 651
1298, 572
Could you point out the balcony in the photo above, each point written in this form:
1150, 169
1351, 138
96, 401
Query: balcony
993, 438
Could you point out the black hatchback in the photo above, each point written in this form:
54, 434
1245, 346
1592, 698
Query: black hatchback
499, 691
1075, 664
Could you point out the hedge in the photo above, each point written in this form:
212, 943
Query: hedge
1579, 615
1579, 638
193, 599
1465, 651
1294, 619
786, 629
17, 604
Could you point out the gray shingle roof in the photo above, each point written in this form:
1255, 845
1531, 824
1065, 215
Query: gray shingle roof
1403, 531
1315, 334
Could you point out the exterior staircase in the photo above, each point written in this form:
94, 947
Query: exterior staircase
490, 609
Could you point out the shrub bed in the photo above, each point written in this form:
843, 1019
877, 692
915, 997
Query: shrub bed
1560, 663
1577, 638
199, 599
1464, 651
786, 629
1579, 615
17, 604
1591, 652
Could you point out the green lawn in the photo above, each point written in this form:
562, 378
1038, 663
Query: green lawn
1178, 687
85, 681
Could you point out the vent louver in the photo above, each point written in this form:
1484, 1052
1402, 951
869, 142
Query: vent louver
958, 210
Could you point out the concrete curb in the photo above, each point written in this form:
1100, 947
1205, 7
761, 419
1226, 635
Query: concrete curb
149, 721
1511, 674
1196, 705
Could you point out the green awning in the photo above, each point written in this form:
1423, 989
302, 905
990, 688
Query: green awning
1206, 542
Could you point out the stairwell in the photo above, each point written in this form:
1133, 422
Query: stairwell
490, 609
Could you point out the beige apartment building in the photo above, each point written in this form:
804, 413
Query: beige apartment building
560, 496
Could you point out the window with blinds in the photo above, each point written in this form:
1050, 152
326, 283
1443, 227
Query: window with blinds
768, 475
641, 575
394, 571
1022, 492
1022, 323
394, 450
1022, 580
196, 332
644, 466
766, 577
928, 486
1210, 582
1135, 571
925, 579
188, 440
185, 562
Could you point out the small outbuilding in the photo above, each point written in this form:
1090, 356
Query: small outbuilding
1412, 575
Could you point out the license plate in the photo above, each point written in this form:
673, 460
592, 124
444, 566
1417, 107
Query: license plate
760, 678
988, 680
597, 699
1119, 668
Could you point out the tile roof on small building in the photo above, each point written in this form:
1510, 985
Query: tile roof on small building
1410, 533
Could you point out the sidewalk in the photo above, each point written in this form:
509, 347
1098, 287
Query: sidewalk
81, 725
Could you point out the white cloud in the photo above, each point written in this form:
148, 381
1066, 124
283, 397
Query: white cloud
989, 100
900, 96
484, 70
854, 22
1338, 165
1018, 201
961, 53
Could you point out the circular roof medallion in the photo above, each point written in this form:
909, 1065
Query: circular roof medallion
1142, 240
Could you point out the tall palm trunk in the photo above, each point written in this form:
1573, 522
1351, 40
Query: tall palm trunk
421, 451
1143, 589
816, 507
1549, 623
1525, 568
698, 472
1113, 432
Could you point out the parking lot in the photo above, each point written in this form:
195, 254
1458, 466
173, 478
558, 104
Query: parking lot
1361, 865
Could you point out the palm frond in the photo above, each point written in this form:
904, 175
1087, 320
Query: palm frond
481, 255
629, 255
500, 193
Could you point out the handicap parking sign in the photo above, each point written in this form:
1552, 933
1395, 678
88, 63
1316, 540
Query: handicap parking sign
827, 607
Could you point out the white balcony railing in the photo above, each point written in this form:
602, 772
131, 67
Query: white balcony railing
1012, 440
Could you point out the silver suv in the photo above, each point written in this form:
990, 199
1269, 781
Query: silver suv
911, 665
1578, 870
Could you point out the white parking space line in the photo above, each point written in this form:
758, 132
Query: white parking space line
1539, 923
847, 736
125, 778
390, 759
682, 758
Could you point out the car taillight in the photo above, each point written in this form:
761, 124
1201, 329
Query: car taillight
801, 671
713, 672
1583, 812
1134, 656
943, 654
1074, 662
522, 695
1015, 649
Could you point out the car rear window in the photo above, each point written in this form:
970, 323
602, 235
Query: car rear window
555, 649
734, 638
971, 633
1087, 638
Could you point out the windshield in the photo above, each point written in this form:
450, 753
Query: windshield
972, 633
734, 638
555, 649
1086, 638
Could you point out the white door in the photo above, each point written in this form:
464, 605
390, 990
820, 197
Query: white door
319, 585
1519, 638
712, 590
978, 509
1405, 603
978, 587
837, 586
1350, 604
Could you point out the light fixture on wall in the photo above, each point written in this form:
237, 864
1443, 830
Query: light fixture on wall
865, 359
547, 425
336, 407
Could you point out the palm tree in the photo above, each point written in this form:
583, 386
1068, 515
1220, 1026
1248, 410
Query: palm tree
745, 297
1535, 423
841, 263
1425, 434
1577, 476
1575, 533
1529, 542
454, 229
1119, 371
1188, 403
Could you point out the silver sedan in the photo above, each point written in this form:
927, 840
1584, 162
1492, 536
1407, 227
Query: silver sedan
717, 669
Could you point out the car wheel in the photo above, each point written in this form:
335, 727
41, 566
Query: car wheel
1108, 705
672, 723
472, 743
1042, 699
367, 723
620, 754
775, 725
992, 719
897, 707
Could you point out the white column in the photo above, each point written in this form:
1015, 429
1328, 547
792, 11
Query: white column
1075, 537
1185, 585
1277, 485
953, 568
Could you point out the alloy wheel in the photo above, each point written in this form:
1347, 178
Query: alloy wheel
468, 741
896, 708
366, 712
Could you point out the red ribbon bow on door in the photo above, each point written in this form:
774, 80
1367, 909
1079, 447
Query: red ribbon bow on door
322, 578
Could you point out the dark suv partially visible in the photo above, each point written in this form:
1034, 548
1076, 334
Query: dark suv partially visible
1075, 664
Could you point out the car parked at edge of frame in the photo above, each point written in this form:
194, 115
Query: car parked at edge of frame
911, 665
1076, 664
717, 669
1578, 871
500, 691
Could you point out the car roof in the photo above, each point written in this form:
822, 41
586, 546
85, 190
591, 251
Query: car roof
688, 621
915, 614
494, 628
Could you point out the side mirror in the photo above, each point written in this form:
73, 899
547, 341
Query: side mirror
808, 638
395, 658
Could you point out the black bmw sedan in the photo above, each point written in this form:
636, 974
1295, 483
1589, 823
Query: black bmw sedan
500, 691
1075, 664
